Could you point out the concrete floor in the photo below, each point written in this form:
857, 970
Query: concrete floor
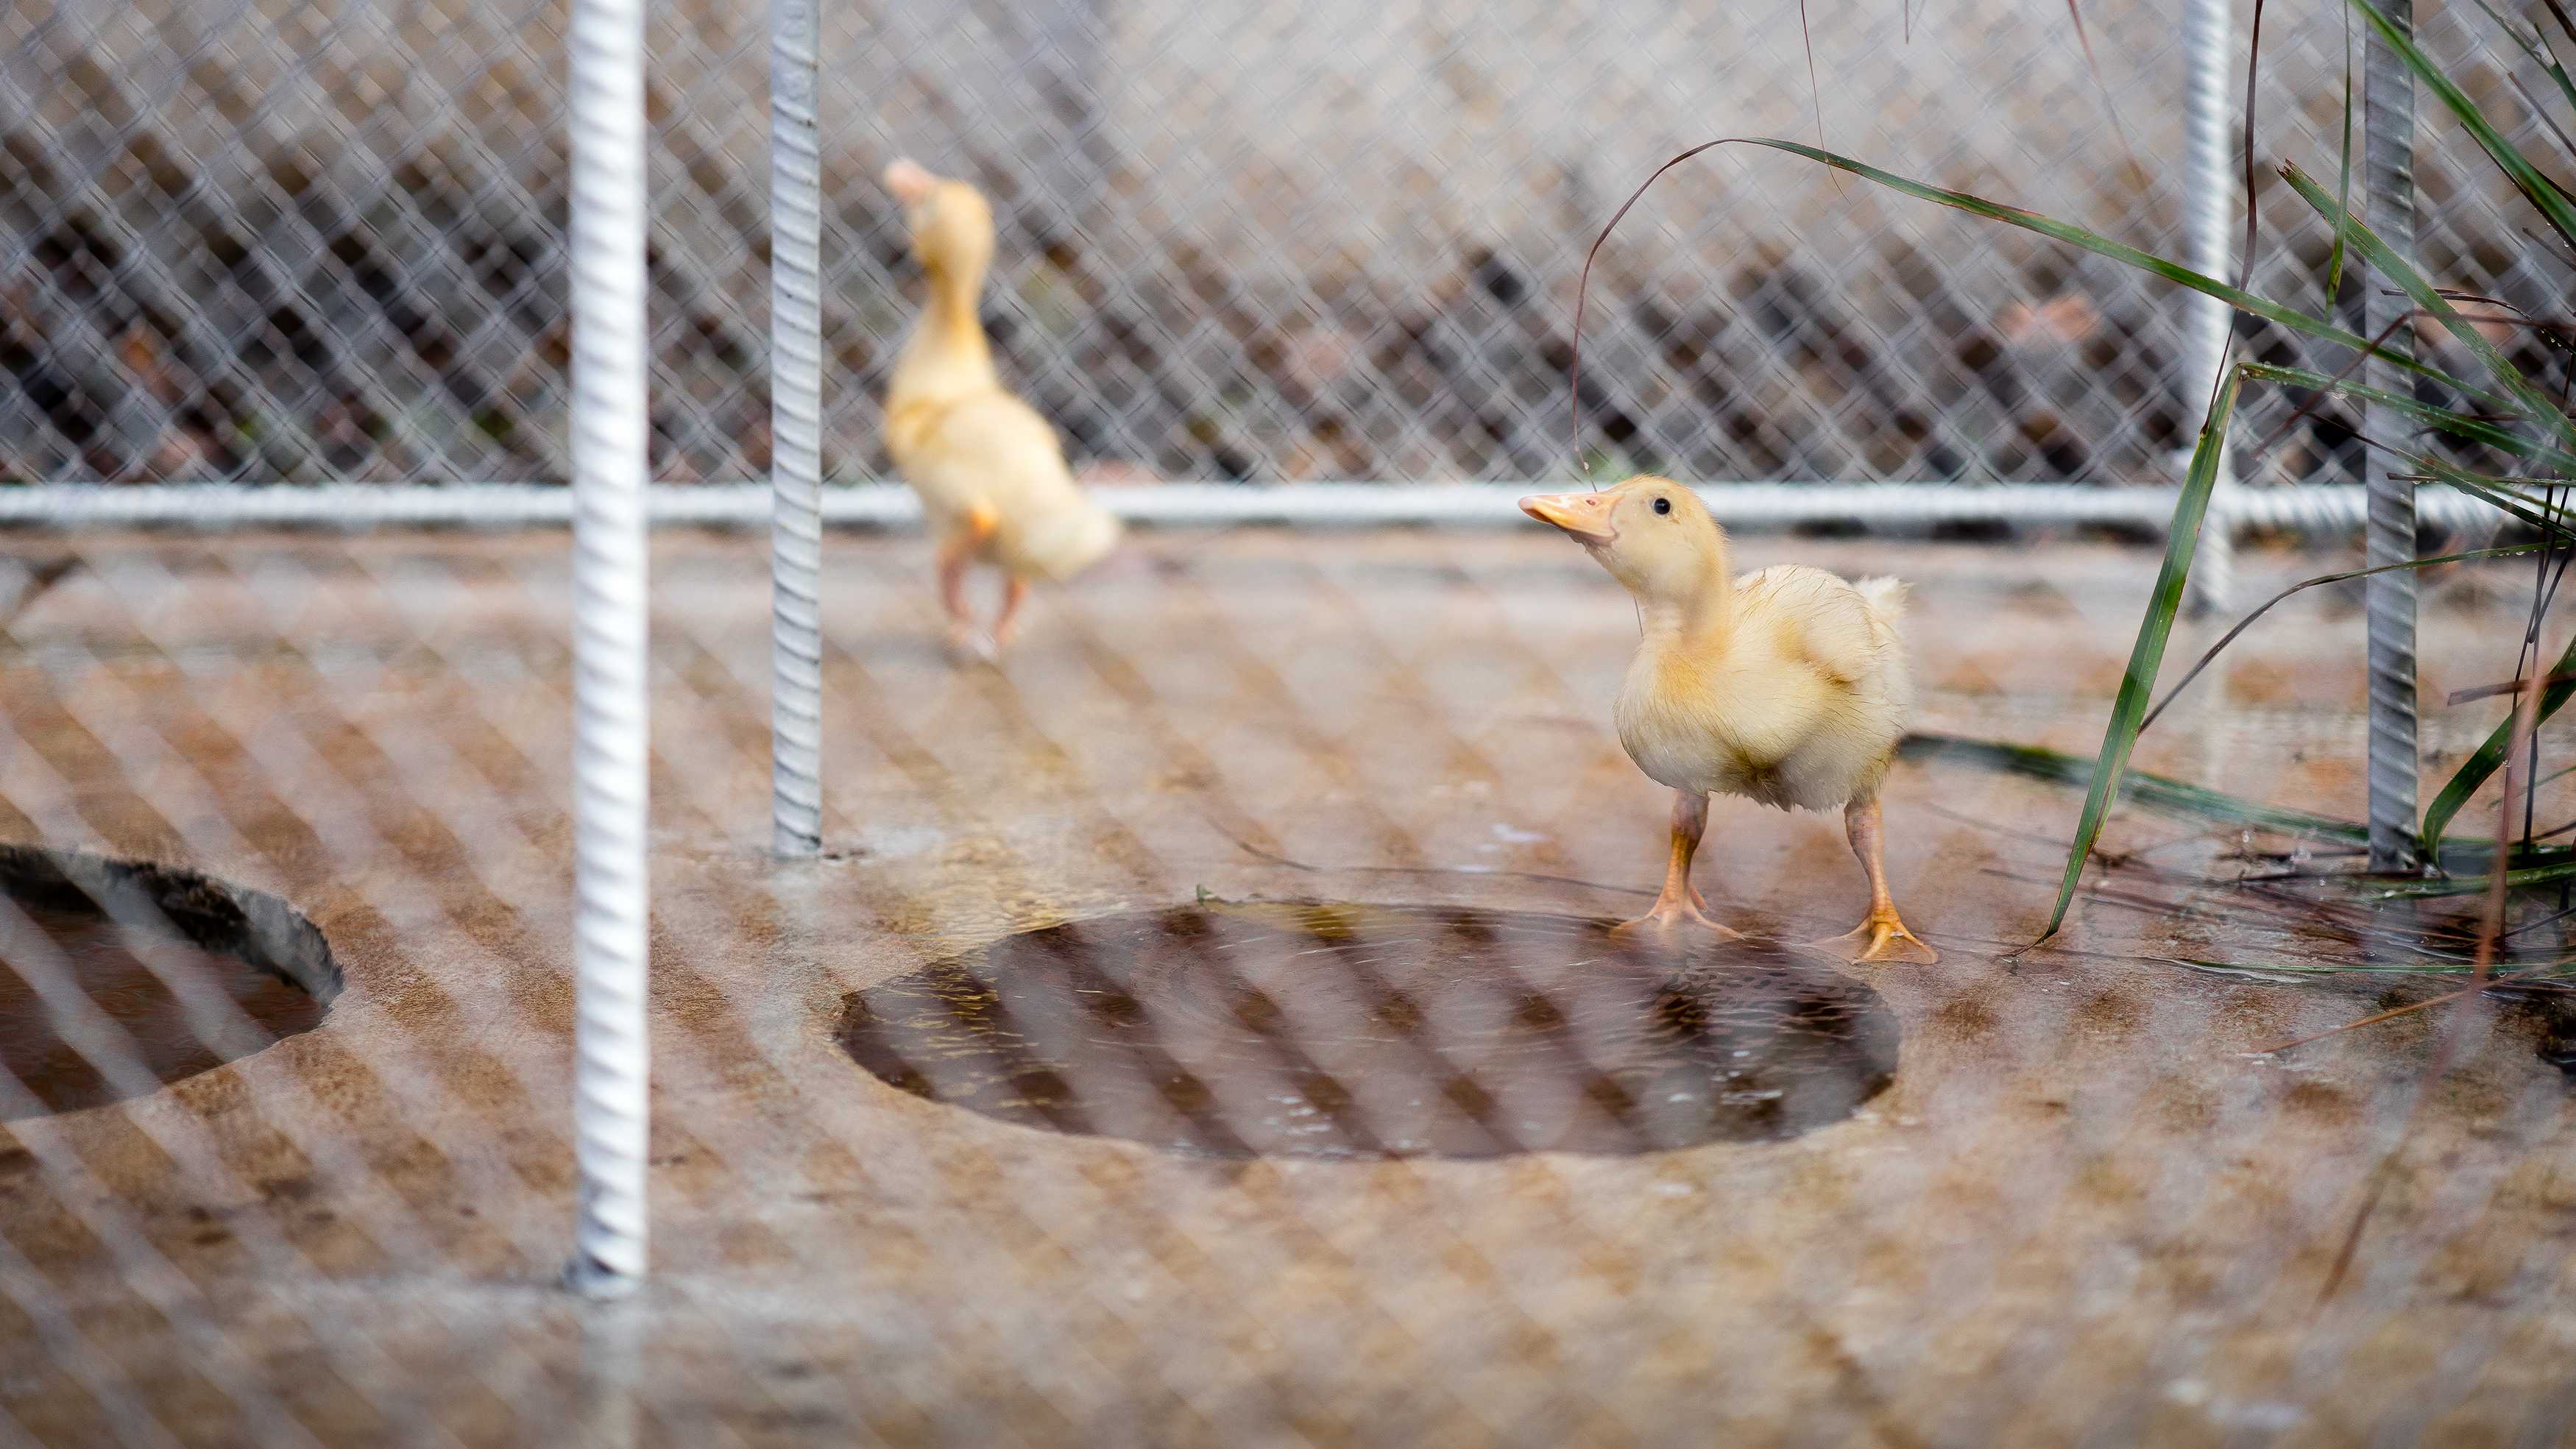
2083, 1214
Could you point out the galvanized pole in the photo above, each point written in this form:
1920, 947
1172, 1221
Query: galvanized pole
2388, 172
795, 433
609, 423
2210, 219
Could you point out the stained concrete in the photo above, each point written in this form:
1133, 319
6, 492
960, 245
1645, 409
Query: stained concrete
2083, 1213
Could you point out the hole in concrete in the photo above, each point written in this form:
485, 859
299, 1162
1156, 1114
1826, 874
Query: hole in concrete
117, 977
1350, 1031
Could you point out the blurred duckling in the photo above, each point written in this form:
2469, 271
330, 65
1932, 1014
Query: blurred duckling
1788, 686
992, 478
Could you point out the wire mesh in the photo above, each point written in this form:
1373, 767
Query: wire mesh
947, 1146
321, 241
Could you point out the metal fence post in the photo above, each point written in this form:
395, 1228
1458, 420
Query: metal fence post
609, 459
796, 432
2388, 170
2208, 27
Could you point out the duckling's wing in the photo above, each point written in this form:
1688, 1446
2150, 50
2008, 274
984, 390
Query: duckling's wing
995, 451
991, 448
1819, 618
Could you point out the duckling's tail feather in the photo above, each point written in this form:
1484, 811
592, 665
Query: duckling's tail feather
1885, 597
1069, 538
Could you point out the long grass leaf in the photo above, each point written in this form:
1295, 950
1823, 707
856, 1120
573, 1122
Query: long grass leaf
2183, 800
2565, 25
2031, 221
2252, 128
2426, 297
2468, 885
2489, 755
2542, 192
2120, 252
2536, 47
2550, 518
2343, 167
2552, 523
2155, 792
2464, 426
2540, 113
2129, 706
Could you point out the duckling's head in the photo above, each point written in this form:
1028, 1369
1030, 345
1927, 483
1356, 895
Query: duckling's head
1652, 534
950, 221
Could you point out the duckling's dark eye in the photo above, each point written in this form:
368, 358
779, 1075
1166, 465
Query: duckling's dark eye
1663, 505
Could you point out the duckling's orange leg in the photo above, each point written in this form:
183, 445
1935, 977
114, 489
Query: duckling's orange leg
957, 549
1681, 904
1883, 936
1015, 592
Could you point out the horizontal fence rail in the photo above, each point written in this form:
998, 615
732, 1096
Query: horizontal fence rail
2323, 509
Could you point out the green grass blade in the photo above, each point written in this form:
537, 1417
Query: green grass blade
2457, 424
2343, 166
2538, 513
2186, 801
2534, 403
2468, 885
2550, 519
2566, 26
2103, 246
2129, 706
2489, 755
2538, 189
2155, 792
2297, 970
2534, 46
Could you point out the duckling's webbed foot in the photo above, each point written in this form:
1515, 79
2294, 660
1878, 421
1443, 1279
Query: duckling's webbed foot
1883, 937
1672, 919
1680, 907
1880, 938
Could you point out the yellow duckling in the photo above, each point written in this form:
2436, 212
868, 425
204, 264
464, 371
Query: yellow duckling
1788, 686
990, 472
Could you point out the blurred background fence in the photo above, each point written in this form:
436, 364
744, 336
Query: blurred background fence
299, 242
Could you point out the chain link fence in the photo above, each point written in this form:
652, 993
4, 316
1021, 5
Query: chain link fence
1199, 1027
311, 242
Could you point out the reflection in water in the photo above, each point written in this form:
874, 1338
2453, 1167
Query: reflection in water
1334, 1030
175, 974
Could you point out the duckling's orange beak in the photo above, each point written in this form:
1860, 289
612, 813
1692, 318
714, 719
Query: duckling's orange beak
909, 180
1585, 515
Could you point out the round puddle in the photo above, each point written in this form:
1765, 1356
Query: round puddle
1343, 1031
116, 978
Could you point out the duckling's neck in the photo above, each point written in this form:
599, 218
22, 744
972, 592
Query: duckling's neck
1699, 614
948, 355
951, 315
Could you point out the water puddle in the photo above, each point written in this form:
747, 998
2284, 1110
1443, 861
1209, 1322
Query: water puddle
116, 979
1350, 1031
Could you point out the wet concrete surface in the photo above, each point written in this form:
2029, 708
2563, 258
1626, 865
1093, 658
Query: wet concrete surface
2086, 1210
1338, 1030
117, 980
142, 982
